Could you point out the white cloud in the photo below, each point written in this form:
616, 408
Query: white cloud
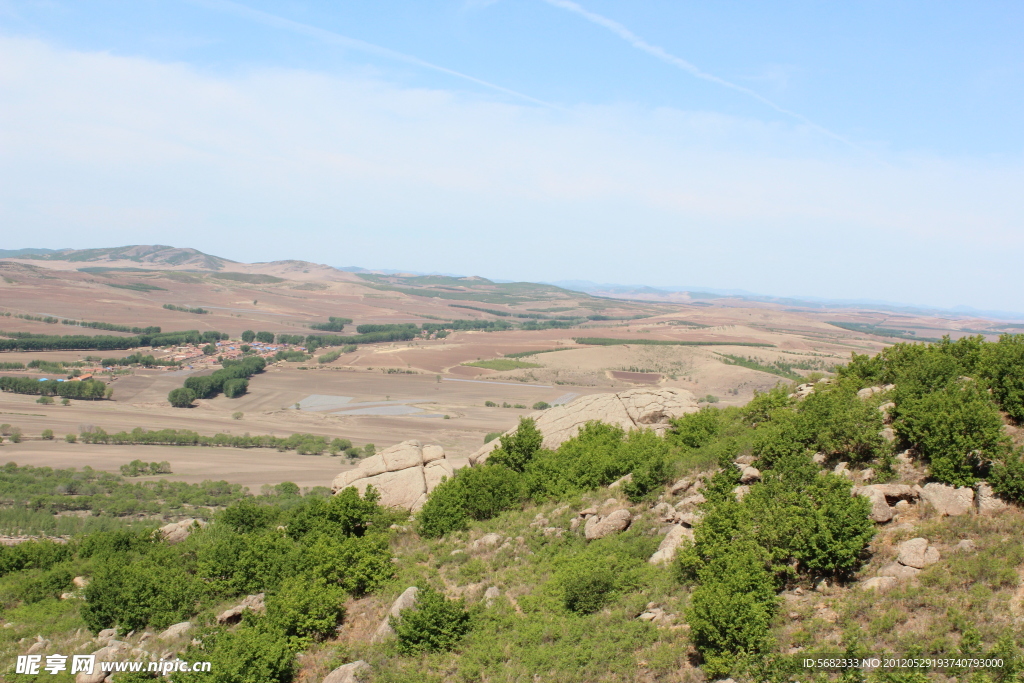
97, 149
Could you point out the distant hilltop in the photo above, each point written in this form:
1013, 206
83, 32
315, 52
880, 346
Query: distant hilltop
153, 255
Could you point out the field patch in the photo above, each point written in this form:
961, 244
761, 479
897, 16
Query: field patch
502, 364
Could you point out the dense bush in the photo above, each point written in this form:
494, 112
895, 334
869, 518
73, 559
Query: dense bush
182, 397
306, 611
435, 624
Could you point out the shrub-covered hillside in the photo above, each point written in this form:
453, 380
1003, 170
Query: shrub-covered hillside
872, 513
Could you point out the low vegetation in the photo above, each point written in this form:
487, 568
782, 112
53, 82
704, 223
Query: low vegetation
502, 364
608, 341
186, 309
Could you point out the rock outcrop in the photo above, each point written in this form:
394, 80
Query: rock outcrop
176, 532
234, 614
612, 523
175, 631
633, 409
986, 501
948, 500
353, 672
670, 544
403, 474
404, 601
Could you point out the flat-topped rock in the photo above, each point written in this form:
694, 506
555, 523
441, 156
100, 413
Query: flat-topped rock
403, 474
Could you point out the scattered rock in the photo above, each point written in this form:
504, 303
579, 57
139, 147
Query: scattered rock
745, 460
683, 485
879, 583
80, 582
556, 531
234, 615
106, 634
175, 631
740, 492
610, 502
880, 511
353, 672
917, 553
842, 469
966, 546
636, 408
670, 544
539, 520
96, 676
613, 523
589, 512
885, 409
688, 518
868, 392
867, 474
819, 458
574, 524
406, 600
986, 500
888, 433
948, 500
490, 595
40, 645
750, 474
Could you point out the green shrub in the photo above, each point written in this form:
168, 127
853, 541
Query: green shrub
45, 400
541, 405
306, 611
730, 612
490, 404
233, 388
444, 510
70, 438
491, 436
1003, 367
238, 415
696, 430
434, 624
956, 429
134, 595
47, 435
356, 564
181, 397
255, 652
518, 448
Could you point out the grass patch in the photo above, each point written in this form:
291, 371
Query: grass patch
250, 278
525, 354
502, 364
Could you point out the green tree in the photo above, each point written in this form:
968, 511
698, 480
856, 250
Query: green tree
248, 336
181, 397
255, 652
306, 611
518, 448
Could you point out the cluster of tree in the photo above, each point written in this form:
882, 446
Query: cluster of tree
335, 324
232, 379
303, 444
186, 309
519, 470
91, 389
949, 399
27, 341
111, 327
146, 361
456, 325
291, 356
296, 339
137, 468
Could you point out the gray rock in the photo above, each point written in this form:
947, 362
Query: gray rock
741, 492
948, 500
819, 458
749, 475
842, 469
620, 481
613, 523
404, 601
176, 532
353, 672
917, 553
486, 541
80, 582
888, 433
105, 635
879, 583
898, 571
96, 676
175, 630
40, 645
234, 614
690, 501
491, 594
966, 546
986, 500
670, 544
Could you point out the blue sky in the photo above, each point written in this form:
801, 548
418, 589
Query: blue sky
844, 150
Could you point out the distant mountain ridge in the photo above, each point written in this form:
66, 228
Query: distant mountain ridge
155, 254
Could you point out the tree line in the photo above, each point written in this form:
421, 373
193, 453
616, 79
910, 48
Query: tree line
28, 341
90, 389
232, 379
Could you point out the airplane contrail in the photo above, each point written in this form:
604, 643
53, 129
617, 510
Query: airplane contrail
680, 63
352, 43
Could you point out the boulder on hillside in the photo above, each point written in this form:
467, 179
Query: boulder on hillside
353, 672
900, 572
670, 544
917, 553
986, 500
633, 409
612, 523
175, 631
404, 601
879, 583
948, 500
234, 614
749, 475
404, 474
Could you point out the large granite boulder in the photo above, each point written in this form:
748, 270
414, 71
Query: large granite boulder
633, 409
948, 500
404, 601
353, 672
670, 544
599, 527
403, 474
917, 553
176, 532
